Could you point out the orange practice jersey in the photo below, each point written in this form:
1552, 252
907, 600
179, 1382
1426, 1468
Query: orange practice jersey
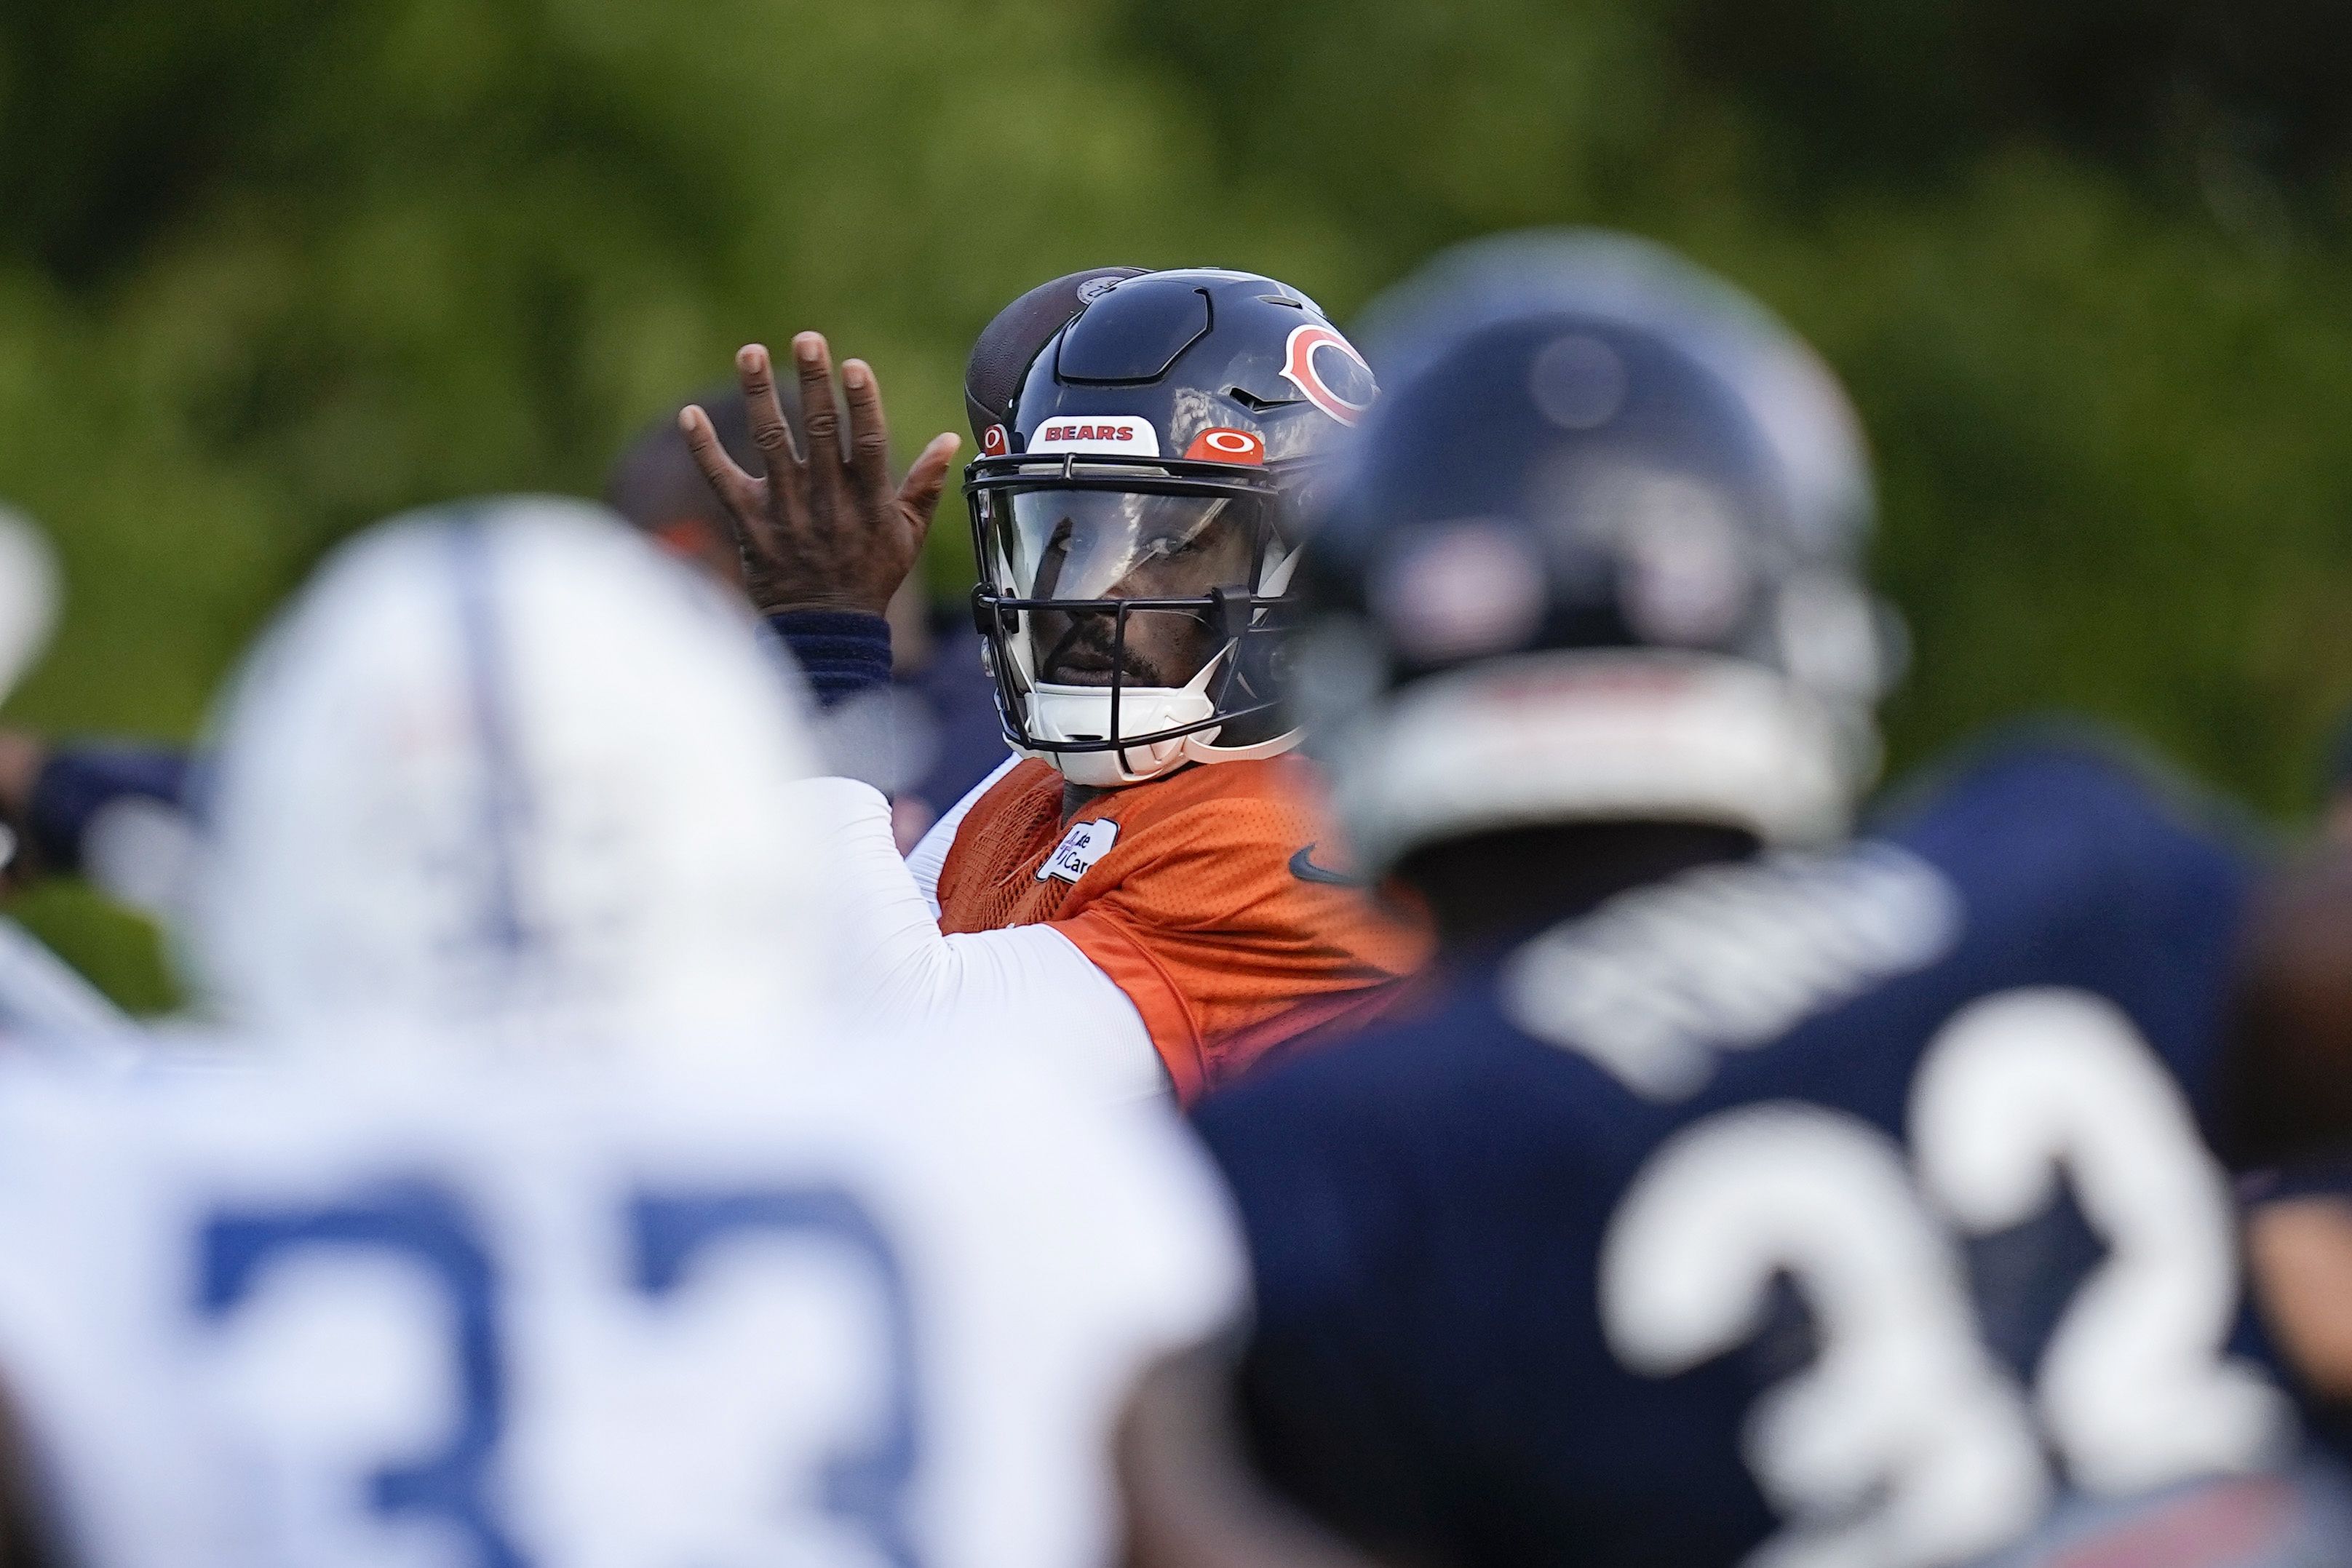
1216, 898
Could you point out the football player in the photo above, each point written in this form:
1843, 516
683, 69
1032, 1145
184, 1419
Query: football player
547, 1217
2336, 783
1744, 1190
115, 811
1154, 873
40, 994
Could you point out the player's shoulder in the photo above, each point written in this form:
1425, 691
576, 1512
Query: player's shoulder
1051, 1175
2038, 851
1270, 806
1449, 1069
2060, 800
1286, 784
1269, 803
177, 1076
1348, 1162
968, 1132
1027, 780
933, 1088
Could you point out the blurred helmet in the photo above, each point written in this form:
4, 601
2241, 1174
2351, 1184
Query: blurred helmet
28, 595
504, 768
1136, 518
1822, 458
1001, 356
1595, 559
28, 610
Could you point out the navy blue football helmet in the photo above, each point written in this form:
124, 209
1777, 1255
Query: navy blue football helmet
1593, 557
1136, 514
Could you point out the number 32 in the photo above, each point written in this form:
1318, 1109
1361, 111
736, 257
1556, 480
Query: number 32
1905, 1442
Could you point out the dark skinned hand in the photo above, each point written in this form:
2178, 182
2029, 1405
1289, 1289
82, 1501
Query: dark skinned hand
827, 528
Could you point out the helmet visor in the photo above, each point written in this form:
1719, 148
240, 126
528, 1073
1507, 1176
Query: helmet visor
1122, 579
1117, 544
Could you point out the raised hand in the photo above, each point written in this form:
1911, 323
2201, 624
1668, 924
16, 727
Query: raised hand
827, 528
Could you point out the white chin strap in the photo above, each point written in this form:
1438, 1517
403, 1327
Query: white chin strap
1064, 713
1593, 736
1083, 712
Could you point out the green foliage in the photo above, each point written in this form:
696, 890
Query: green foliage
269, 270
2102, 386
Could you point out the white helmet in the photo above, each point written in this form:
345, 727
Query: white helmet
503, 769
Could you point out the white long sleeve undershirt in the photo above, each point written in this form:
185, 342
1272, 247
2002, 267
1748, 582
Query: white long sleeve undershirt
930, 856
897, 970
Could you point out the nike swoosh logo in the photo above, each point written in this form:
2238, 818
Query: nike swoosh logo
1303, 867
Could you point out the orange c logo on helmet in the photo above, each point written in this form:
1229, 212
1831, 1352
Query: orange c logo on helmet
993, 442
1300, 371
1223, 443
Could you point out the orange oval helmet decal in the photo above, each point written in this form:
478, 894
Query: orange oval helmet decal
1226, 444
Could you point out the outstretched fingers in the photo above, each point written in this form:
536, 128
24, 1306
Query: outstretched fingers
770, 432
820, 419
869, 431
827, 527
919, 497
739, 492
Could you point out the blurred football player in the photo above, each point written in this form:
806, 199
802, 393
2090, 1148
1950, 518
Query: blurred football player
2336, 810
39, 993
548, 1218
1744, 1190
656, 483
1154, 874
114, 810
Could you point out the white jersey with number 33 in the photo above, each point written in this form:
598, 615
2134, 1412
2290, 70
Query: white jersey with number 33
427, 1311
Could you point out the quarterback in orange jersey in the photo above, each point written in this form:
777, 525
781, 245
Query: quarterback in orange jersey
1200, 895
1152, 871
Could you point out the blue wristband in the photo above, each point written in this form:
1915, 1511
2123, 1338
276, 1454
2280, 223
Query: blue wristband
844, 653
80, 778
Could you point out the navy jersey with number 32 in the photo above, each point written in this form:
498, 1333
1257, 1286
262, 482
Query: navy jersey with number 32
1839, 1208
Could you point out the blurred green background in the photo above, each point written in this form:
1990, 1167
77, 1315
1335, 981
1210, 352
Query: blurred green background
270, 269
